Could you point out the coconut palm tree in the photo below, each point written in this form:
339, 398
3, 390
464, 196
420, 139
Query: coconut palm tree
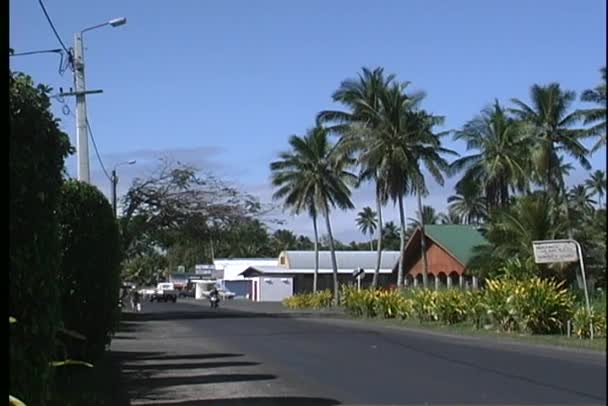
429, 216
596, 115
551, 126
596, 184
399, 148
390, 235
367, 223
451, 217
580, 200
313, 175
500, 164
468, 203
511, 231
361, 96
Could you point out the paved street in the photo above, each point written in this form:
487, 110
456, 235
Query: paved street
185, 354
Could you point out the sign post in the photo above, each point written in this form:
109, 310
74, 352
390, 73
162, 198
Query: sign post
359, 273
550, 251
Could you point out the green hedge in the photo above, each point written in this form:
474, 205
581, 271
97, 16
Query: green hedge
37, 151
90, 273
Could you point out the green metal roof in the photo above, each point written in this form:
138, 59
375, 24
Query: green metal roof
459, 240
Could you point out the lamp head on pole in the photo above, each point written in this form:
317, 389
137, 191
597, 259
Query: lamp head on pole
118, 21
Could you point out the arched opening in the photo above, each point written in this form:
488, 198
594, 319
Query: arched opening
431, 279
418, 280
442, 280
454, 279
409, 280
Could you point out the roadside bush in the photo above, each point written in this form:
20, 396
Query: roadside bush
475, 305
316, 300
424, 304
360, 303
391, 304
542, 306
535, 305
582, 319
451, 306
498, 297
90, 273
37, 151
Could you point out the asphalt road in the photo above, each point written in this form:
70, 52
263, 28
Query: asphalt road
184, 354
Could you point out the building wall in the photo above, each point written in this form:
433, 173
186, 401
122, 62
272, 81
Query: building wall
275, 289
302, 283
438, 262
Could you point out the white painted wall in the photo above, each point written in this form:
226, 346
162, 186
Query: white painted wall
275, 289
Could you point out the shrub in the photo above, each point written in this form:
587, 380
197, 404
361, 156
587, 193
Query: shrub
316, 300
498, 298
36, 160
582, 322
424, 304
535, 305
391, 304
360, 303
90, 272
542, 306
475, 306
451, 306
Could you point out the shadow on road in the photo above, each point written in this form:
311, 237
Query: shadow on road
156, 383
196, 365
192, 315
256, 401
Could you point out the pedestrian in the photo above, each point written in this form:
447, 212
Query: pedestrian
137, 300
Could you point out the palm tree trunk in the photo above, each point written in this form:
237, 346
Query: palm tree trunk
425, 264
402, 241
316, 248
371, 245
379, 244
334, 263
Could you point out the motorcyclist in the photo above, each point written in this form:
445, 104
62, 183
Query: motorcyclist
214, 297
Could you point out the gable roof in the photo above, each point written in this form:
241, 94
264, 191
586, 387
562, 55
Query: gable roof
347, 260
459, 240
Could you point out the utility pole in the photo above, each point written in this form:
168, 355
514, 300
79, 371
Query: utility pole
82, 135
114, 180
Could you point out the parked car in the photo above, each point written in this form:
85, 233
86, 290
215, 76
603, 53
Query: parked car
226, 294
164, 292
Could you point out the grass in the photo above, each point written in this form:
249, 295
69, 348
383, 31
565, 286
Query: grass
467, 329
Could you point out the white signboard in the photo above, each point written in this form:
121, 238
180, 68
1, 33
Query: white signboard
546, 252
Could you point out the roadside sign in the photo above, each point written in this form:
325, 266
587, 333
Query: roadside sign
550, 251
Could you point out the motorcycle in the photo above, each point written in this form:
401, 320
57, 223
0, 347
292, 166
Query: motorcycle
215, 301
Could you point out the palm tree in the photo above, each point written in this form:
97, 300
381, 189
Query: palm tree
551, 128
403, 143
362, 97
313, 176
580, 199
500, 164
511, 231
451, 217
596, 184
468, 204
390, 235
429, 216
598, 114
366, 220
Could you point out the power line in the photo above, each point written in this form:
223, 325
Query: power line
48, 18
97, 152
46, 51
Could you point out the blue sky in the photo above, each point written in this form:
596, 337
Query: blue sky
222, 84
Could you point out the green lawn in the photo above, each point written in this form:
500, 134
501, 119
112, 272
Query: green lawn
467, 329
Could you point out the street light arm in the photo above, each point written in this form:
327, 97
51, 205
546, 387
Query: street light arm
94, 27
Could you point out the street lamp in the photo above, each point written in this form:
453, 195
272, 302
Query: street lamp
82, 140
114, 180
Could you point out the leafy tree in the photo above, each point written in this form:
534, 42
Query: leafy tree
468, 204
37, 151
90, 272
596, 184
